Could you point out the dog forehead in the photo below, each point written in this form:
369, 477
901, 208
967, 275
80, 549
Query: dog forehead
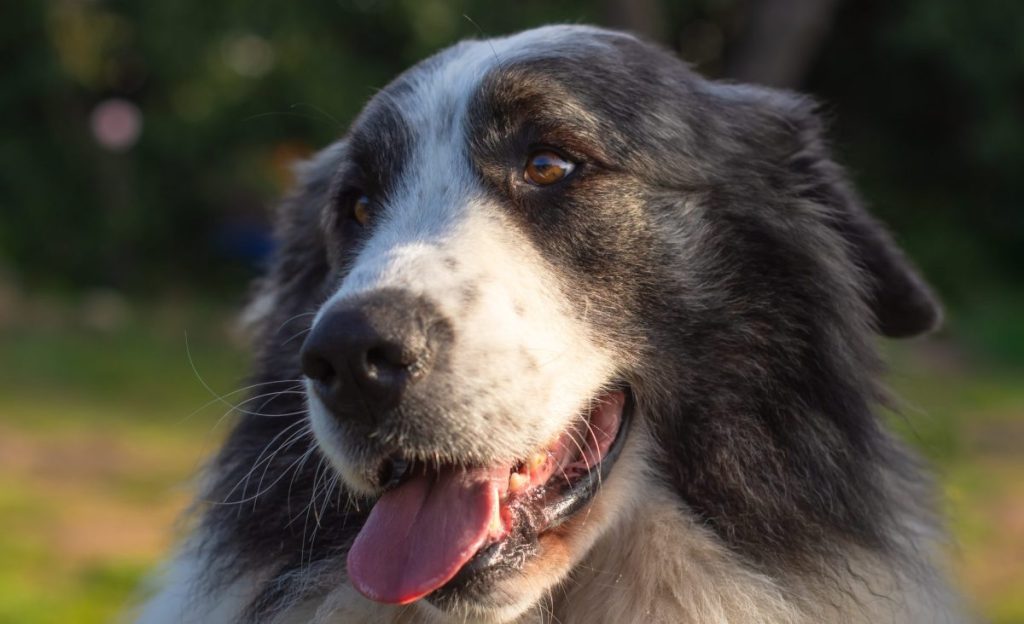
432, 97
417, 132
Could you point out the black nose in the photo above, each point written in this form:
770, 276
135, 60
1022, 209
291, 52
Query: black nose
363, 354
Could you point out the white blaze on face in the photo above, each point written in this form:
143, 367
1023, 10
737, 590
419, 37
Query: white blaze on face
521, 365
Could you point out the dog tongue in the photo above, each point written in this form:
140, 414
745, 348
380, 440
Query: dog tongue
420, 534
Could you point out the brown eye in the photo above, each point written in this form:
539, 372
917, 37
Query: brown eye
361, 210
546, 167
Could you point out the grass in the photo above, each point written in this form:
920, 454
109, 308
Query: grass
100, 430
967, 419
103, 419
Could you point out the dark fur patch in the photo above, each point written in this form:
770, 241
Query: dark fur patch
763, 355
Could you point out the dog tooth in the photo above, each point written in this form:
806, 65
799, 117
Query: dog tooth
517, 482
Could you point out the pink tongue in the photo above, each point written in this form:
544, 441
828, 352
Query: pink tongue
421, 533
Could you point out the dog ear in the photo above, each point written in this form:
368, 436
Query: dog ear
299, 267
903, 304
790, 128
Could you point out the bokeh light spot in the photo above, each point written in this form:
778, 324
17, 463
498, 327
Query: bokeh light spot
116, 124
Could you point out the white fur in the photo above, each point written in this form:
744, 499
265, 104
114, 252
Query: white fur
179, 598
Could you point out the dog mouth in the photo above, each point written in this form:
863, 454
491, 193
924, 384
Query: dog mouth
435, 529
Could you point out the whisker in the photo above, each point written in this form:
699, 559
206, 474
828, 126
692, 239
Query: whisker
215, 394
267, 489
304, 331
236, 408
219, 398
305, 457
259, 457
337, 123
306, 512
286, 444
293, 318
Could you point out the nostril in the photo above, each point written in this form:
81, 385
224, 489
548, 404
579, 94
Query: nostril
317, 367
386, 360
364, 354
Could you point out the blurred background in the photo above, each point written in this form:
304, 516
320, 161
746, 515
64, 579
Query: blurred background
143, 144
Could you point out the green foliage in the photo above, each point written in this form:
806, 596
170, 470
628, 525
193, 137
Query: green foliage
926, 95
927, 99
229, 93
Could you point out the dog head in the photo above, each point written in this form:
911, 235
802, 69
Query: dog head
526, 249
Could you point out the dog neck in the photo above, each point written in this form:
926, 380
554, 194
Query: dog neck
659, 566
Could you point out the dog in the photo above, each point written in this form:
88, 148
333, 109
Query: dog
561, 331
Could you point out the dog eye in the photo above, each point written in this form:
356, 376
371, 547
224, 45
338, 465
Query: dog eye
361, 210
545, 167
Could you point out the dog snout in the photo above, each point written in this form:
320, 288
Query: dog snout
363, 355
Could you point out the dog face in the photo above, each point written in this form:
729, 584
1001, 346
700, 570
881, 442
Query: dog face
528, 249
479, 355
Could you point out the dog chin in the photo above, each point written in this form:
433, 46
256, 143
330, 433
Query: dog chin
507, 599
483, 611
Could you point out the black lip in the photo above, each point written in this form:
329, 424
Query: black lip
533, 518
560, 505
